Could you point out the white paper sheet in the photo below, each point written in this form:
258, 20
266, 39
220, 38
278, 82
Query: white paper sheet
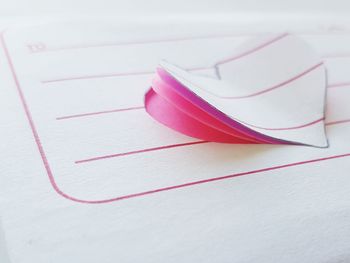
3, 246
88, 176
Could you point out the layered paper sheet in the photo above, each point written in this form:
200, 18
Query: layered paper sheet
271, 90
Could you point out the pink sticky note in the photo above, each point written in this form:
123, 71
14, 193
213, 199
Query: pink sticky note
271, 91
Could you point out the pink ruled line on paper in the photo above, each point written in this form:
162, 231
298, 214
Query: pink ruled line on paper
140, 42
193, 183
44, 48
334, 85
340, 84
165, 147
139, 194
288, 128
148, 72
142, 107
277, 86
140, 151
111, 75
99, 113
253, 50
243, 54
230, 176
337, 122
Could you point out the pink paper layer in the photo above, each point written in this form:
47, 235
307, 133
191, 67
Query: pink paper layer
173, 105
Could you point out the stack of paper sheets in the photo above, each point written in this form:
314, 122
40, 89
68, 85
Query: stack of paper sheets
88, 176
271, 91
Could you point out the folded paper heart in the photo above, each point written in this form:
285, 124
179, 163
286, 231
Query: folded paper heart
272, 90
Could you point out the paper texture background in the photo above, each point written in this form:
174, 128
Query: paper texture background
83, 177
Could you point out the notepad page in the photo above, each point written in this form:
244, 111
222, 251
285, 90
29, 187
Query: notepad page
3, 246
88, 176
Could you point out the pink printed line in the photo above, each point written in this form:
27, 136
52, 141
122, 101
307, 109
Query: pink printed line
340, 84
278, 167
111, 44
122, 74
287, 128
99, 113
142, 107
193, 183
140, 151
280, 85
337, 122
162, 41
187, 144
31, 123
140, 42
150, 72
253, 50
111, 75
